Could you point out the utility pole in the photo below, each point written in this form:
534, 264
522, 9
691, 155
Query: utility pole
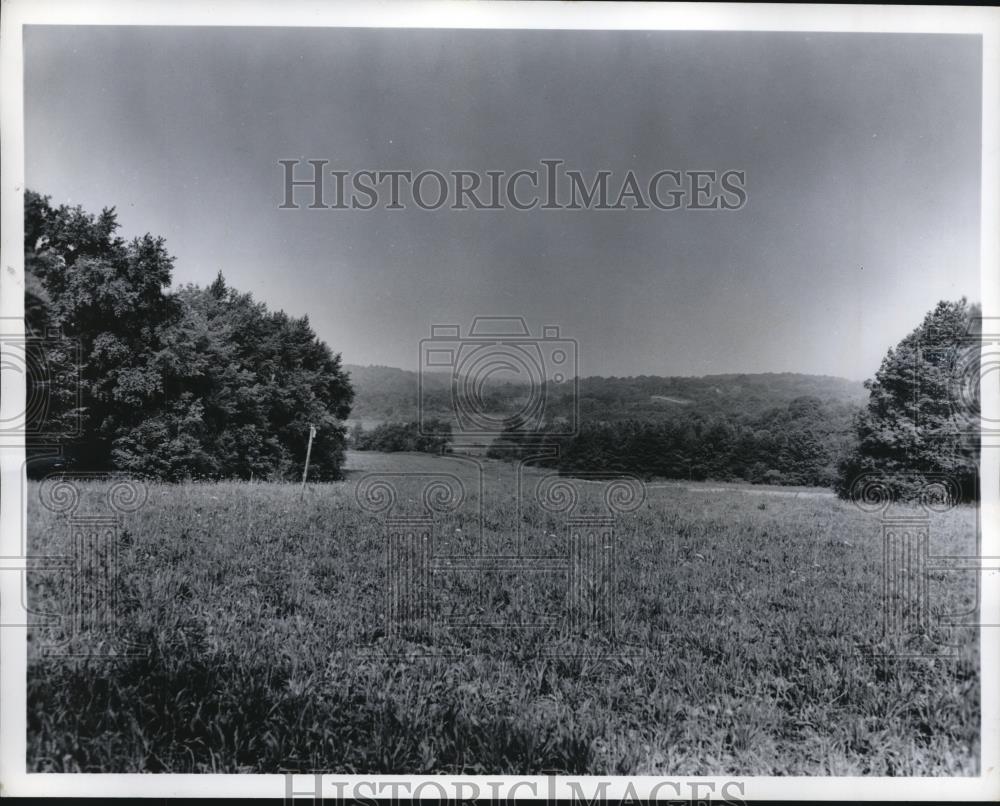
309, 448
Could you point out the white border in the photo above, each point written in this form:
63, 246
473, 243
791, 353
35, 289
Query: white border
543, 15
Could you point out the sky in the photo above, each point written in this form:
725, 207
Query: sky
861, 153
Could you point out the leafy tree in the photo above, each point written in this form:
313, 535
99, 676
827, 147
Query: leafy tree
799, 442
917, 428
196, 382
105, 296
434, 437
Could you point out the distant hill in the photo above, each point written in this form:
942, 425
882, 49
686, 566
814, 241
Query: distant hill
773, 428
390, 394
651, 397
387, 393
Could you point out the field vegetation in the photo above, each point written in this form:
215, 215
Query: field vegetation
748, 631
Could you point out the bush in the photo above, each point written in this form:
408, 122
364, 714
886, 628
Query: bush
433, 437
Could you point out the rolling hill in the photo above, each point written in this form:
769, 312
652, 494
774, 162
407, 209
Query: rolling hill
383, 394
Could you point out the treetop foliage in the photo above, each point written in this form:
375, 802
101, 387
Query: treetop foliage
921, 424
797, 443
193, 382
171, 384
394, 437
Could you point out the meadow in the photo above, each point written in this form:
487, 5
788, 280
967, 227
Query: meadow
250, 633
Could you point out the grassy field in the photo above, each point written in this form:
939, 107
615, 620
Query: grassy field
739, 628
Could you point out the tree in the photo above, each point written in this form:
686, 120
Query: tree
196, 382
915, 430
434, 437
105, 297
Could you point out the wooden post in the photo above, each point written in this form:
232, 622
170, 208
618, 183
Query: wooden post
309, 448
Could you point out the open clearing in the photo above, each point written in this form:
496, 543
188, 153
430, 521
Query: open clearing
743, 632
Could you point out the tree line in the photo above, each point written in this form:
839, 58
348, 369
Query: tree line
433, 437
171, 384
207, 382
916, 435
795, 444
390, 394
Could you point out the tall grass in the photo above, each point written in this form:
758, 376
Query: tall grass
262, 618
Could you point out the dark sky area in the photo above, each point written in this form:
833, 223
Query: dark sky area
861, 152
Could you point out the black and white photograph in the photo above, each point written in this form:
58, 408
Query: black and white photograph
514, 399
